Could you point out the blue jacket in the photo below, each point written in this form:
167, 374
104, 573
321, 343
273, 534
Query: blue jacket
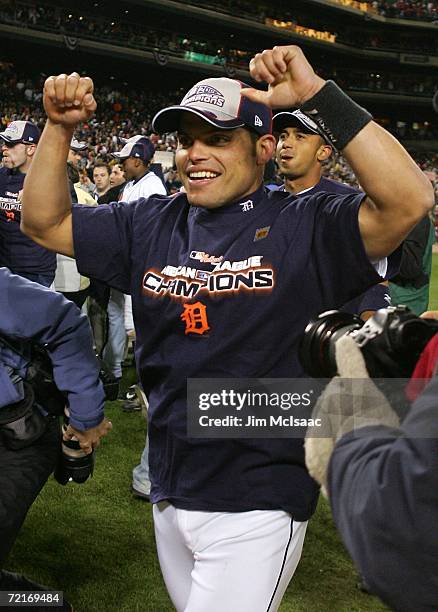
32, 312
384, 495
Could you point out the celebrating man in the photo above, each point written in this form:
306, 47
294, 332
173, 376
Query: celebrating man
230, 515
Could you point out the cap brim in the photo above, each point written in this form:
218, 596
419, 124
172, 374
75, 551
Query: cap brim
7, 139
119, 156
287, 119
282, 120
168, 119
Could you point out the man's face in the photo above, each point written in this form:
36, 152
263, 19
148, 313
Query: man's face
101, 178
15, 156
130, 168
117, 176
74, 157
297, 152
216, 166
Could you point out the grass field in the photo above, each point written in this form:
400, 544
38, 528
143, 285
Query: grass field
95, 541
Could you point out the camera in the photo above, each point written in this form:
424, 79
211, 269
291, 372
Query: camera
73, 463
40, 376
391, 341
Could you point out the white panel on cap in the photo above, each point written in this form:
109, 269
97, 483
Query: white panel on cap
15, 129
221, 97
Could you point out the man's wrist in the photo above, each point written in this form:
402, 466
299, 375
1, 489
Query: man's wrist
338, 117
316, 86
60, 129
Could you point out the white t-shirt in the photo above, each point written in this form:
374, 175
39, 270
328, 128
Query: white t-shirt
148, 185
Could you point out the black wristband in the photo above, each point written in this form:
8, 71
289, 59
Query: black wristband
338, 117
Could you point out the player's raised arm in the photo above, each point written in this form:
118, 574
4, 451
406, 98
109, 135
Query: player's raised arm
399, 194
46, 205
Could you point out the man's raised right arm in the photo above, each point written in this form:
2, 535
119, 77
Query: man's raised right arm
46, 205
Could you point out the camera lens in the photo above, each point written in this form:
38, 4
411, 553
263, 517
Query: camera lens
73, 464
317, 347
408, 335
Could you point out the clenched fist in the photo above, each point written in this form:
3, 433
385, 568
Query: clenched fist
291, 79
68, 99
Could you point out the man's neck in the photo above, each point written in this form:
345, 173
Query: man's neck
23, 168
300, 184
140, 175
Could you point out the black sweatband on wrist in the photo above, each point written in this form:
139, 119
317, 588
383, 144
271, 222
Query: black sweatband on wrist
338, 117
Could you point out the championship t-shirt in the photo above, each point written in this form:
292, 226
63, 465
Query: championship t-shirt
224, 293
18, 252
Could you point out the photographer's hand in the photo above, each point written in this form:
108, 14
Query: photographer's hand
90, 438
350, 402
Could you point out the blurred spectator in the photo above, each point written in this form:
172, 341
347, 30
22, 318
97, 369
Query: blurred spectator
101, 177
172, 182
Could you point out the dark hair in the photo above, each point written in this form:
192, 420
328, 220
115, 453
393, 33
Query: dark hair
254, 138
102, 164
72, 173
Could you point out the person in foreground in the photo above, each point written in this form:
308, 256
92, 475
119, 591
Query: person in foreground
210, 272
381, 476
29, 433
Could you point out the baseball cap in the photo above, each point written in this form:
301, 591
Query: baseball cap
77, 145
219, 102
137, 146
21, 131
297, 118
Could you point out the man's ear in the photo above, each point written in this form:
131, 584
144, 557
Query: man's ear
324, 152
30, 150
265, 148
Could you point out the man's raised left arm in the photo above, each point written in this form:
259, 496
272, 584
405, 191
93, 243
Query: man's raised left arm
398, 192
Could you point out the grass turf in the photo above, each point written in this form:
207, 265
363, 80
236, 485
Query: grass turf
95, 541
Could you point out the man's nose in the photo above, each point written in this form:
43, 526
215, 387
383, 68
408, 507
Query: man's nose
289, 142
198, 150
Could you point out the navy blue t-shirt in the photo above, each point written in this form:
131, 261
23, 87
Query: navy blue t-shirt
257, 270
18, 252
376, 297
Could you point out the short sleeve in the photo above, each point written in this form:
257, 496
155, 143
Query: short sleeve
102, 239
342, 262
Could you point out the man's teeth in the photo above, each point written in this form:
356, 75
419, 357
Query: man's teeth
202, 175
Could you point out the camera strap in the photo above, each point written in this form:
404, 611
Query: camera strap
26, 423
12, 412
39, 374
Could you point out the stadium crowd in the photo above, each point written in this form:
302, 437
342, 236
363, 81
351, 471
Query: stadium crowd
424, 10
125, 111
119, 28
